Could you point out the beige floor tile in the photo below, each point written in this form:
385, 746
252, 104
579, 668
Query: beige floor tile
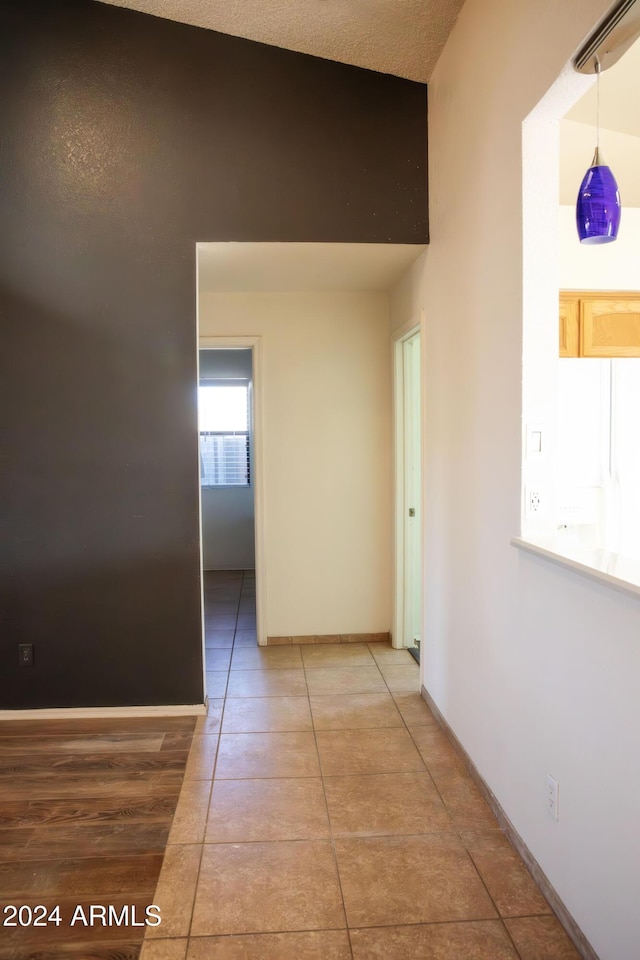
355, 711
247, 810
266, 658
386, 804
404, 679
384, 750
220, 621
512, 887
246, 621
164, 949
245, 638
176, 890
218, 658
450, 768
191, 812
202, 758
414, 709
324, 681
461, 796
267, 683
473, 940
267, 887
541, 938
336, 655
385, 653
218, 639
216, 683
247, 756
219, 614
211, 723
433, 744
266, 714
403, 880
314, 945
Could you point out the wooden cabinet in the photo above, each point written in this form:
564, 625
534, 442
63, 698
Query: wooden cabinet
599, 324
569, 327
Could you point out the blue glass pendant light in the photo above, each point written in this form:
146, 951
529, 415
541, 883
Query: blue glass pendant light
598, 207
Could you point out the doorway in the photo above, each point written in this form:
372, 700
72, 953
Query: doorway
226, 444
231, 541
408, 489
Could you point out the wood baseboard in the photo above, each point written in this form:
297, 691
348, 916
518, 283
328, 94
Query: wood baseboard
106, 713
576, 935
331, 638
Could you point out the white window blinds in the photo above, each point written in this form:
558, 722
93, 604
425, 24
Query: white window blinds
224, 418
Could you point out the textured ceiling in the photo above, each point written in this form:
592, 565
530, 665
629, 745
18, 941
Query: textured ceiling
401, 37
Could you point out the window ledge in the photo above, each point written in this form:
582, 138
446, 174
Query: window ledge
622, 573
225, 486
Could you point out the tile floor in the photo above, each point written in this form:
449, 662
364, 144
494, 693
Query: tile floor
325, 816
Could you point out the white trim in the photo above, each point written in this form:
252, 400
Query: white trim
200, 538
255, 345
409, 329
404, 333
106, 713
397, 630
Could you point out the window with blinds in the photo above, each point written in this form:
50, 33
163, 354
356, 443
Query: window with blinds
224, 417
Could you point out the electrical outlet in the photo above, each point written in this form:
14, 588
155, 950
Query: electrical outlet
532, 502
552, 797
25, 654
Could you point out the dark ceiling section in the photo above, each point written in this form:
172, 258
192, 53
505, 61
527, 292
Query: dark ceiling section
126, 139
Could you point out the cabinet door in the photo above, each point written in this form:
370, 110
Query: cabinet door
610, 327
569, 327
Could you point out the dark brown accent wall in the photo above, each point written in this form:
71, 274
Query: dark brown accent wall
124, 139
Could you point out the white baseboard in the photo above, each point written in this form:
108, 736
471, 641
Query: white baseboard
106, 713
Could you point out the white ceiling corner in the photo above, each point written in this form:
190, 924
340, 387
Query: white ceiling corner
400, 37
228, 267
619, 95
619, 131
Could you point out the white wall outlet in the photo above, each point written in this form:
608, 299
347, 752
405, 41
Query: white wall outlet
552, 797
533, 502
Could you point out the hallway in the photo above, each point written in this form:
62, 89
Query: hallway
325, 816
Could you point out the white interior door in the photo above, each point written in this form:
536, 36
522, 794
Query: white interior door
412, 431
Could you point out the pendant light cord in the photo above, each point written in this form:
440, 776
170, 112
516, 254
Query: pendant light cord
597, 62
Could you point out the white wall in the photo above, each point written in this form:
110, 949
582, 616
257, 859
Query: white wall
534, 667
327, 443
609, 266
620, 151
228, 540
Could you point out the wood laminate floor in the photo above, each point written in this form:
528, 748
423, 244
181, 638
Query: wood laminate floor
85, 812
